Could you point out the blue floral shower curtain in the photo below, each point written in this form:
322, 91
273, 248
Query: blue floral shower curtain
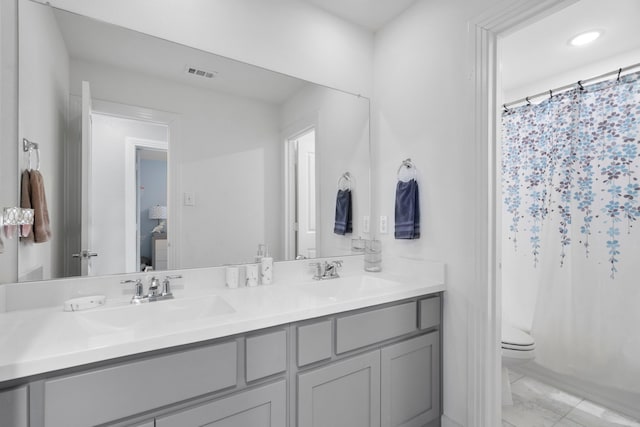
575, 156
571, 242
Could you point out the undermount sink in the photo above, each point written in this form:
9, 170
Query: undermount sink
157, 313
349, 287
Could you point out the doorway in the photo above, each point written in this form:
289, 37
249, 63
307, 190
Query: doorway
117, 142
485, 314
147, 207
300, 202
553, 299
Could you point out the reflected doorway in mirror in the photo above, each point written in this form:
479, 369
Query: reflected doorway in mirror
301, 194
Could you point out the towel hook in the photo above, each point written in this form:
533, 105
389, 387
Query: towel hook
344, 182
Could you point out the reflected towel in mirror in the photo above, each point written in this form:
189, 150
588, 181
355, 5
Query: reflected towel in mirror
343, 224
32, 196
407, 210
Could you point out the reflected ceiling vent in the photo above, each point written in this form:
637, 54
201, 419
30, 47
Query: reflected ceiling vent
195, 71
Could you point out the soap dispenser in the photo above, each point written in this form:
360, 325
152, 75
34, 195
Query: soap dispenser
261, 253
266, 267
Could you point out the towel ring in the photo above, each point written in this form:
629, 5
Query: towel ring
344, 182
408, 165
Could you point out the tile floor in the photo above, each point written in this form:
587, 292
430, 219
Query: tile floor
538, 405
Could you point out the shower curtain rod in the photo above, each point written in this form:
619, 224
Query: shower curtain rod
579, 84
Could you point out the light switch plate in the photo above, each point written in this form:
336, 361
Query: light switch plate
384, 224
189, 199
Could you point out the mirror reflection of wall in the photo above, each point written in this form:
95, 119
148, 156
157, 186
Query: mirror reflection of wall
226, 157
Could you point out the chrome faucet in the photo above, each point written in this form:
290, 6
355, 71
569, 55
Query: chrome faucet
326, 270
166, 286
138, 296
153, 294
153, 287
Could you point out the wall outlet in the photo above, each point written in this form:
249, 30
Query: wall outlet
365, 224
384, 224
189, 199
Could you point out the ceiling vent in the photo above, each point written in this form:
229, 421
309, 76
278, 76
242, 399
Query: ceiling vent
200, 72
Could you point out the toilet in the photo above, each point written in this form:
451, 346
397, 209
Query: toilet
518, 347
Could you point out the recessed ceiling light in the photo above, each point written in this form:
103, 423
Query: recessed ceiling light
584, 38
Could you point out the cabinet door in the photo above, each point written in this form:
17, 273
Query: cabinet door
260, 407
343, 394
13, 408
410, 382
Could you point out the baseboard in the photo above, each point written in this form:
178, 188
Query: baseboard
448, 422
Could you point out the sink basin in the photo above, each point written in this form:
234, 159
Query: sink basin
349, 287
157, 313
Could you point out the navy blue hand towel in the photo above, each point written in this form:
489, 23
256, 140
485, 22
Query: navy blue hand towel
343, 213
407, 210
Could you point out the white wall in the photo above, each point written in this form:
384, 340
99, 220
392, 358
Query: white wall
44, 98
288, 36
423, 109
213, 126
342, 145
561, 79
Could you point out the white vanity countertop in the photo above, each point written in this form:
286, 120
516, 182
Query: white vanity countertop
42, 340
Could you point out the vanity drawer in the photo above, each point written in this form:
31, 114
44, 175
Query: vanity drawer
266, 354
314, 342
370, 327
107, 394
429, 313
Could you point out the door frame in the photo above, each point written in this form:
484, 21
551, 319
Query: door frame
485, 305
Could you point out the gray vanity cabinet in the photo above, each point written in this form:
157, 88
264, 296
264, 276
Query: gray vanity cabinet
410, 382
394, 382
13, 408
373, 367
258, 407
342, 394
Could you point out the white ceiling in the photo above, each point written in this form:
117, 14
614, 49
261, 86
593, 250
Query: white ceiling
95, 41
370, 14
541, 50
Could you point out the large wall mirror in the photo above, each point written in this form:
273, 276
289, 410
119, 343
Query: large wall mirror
160, 156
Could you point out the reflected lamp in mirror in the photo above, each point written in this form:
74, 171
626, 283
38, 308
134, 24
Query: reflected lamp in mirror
159, 213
